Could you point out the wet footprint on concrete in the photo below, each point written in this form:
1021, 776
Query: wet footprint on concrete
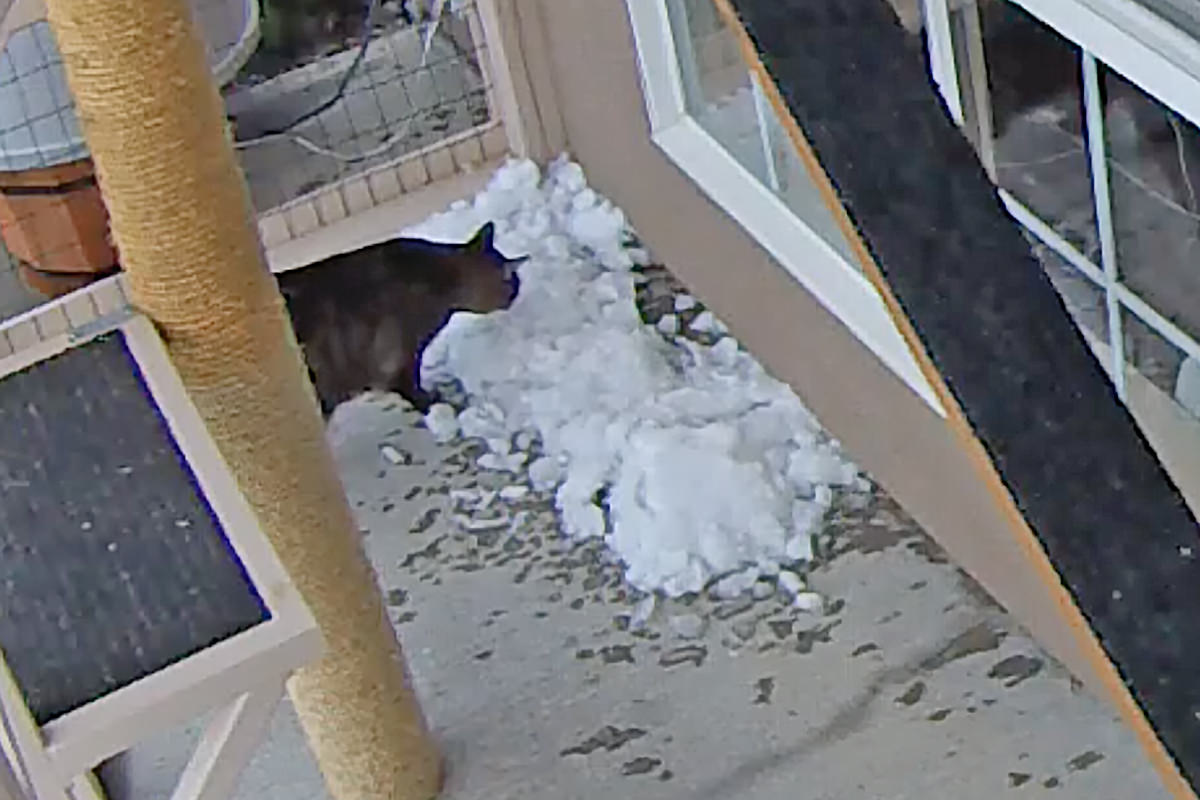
912, 695
1018, 779
643, 765
1084, 760
1015, 669
608, 738
764, 688
617, 654
693, 653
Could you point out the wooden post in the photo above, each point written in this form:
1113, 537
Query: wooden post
185, 229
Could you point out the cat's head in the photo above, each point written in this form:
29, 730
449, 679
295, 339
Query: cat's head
488, 281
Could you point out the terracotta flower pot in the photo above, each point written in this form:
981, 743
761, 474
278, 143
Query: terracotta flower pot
54, 219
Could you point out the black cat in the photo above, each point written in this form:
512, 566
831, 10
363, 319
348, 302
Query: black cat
363, 318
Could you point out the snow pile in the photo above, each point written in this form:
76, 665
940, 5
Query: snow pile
689, 459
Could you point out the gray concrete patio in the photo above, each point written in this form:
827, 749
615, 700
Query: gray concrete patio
911, 684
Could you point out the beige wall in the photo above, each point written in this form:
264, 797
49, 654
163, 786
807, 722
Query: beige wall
593, 87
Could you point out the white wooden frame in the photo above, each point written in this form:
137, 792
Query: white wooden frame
836, 284
241, 677
324, 219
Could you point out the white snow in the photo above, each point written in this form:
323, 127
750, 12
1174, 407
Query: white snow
761, 590
442, 422
684, 302
392, 455
545, 473
810, 602
642, 613
791, 583
475, 524
736, 584
706, 465
511, 494
705, 322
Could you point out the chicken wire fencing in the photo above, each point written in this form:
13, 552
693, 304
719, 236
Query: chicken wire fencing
335, 106
352, 105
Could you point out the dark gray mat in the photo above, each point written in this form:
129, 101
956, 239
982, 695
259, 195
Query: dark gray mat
112, 564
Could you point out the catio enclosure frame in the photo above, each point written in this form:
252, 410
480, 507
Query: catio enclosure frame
240, 678
370, 205
317, 192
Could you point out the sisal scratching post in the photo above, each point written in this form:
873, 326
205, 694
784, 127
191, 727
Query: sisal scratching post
183, 223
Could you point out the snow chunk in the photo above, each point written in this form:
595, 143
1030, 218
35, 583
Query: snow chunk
684, 302
734, 585
705, 322
642, 613
442, 422
791, 583
688, 459
392, 455
810, 602
511, 494
545, 473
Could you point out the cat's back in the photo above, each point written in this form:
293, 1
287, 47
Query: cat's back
390, 264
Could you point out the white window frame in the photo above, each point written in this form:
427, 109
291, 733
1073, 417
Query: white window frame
1150, 52
839, 286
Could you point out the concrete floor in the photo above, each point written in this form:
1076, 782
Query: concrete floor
911, 684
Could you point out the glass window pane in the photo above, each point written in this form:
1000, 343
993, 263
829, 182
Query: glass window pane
1084, 299
1033, 81
1164, 365
721, 96
1154, 168
799, 192
716, 84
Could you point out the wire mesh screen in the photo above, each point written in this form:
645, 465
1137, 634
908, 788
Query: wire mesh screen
53, 223
336, 106
348, 104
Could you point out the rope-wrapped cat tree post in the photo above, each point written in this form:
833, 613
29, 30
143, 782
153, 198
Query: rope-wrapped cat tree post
183, 224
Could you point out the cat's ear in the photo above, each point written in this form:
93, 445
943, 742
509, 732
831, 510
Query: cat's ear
484, 239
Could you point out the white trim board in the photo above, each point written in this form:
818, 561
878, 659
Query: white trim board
263, 655
835, 283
